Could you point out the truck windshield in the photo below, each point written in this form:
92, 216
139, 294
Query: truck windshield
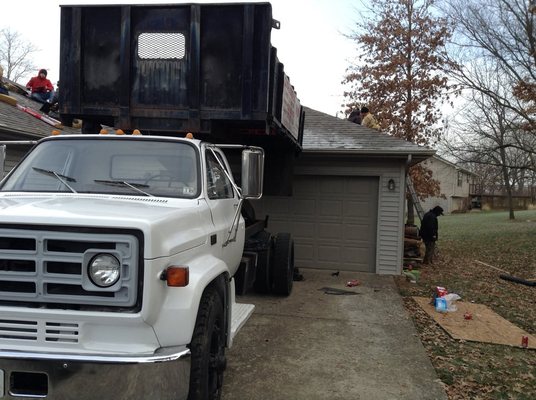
110, 166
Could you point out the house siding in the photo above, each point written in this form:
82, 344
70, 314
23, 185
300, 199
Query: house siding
456, 198
13, 156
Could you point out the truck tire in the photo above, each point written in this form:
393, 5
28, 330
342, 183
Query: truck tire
263, 276
283, 264
208, 349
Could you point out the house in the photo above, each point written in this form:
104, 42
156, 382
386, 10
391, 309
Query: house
347, 207
21, 126
455, 183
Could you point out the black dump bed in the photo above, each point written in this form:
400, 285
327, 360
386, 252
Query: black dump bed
168, 69
209, 69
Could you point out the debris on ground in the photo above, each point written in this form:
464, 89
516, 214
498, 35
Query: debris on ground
477, 323
352, 283
335, 291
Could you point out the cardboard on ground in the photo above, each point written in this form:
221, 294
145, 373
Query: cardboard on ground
485, 326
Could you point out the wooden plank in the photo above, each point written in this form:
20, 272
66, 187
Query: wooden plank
491, 266
485, 326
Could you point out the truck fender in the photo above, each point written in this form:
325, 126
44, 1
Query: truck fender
175, 322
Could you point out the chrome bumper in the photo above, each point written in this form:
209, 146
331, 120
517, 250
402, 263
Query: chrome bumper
164, 375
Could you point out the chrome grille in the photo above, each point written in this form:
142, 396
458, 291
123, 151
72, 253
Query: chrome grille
49, 267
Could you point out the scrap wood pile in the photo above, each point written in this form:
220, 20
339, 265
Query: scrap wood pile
413, 252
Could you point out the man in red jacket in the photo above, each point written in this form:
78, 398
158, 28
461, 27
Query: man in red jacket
41, 87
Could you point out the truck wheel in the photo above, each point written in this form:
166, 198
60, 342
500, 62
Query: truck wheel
283, 264
208, 349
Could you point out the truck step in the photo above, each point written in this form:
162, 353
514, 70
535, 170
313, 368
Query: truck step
240, 314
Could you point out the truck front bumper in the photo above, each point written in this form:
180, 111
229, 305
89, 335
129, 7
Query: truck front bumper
164, 375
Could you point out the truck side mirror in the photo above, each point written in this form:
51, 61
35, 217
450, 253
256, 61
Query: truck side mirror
2, 160
252, 172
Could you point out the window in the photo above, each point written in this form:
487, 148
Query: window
218, 185
460, 178
161, 46
126, 166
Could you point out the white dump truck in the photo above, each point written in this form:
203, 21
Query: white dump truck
121, 254
117, 262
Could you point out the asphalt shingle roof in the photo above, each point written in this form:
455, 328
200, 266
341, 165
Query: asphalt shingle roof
17, 124
324, 133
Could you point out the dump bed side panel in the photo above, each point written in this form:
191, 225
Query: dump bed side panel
205, 68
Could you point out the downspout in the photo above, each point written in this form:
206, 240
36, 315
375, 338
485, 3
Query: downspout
2, 160
409, 201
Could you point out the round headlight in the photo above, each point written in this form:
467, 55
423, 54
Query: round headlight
104, 270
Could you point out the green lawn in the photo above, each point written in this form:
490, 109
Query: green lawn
477, 370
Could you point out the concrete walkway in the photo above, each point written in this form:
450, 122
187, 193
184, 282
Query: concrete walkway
313, 345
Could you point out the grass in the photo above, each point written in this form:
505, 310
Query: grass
478, 370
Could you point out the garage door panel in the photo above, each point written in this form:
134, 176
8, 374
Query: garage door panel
304, 252
304, 207
305, 230
329, 253
332, 219
358, 255
330, 231
330, 208
356, 209
357, 232
363, 189
331, 186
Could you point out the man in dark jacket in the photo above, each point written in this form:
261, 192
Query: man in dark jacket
429, 228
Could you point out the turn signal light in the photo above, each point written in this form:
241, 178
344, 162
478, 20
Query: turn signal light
136, 132
189, 135
103, 131
176, 276
119, 132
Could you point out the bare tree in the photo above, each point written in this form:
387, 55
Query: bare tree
502, 32
495, 43
15, 55
488, 132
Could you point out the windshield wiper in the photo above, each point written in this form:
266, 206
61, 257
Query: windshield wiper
62, 178
134, 186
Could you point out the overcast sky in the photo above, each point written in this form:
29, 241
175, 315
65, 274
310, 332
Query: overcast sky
311, 42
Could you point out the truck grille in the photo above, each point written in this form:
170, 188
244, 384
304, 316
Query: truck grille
49, 267
59, 332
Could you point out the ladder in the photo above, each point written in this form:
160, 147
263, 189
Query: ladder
414, 197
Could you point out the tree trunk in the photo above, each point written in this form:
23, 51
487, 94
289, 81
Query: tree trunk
507, 185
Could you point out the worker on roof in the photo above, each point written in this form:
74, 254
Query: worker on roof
3, 89
41, 88
368, 120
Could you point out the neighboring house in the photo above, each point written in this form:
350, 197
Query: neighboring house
18, 125
455, 183
348, 202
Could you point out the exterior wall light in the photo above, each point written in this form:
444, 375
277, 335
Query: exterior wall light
391, 185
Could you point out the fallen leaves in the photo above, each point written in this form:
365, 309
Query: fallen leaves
472, 371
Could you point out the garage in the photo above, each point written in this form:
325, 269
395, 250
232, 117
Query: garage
347, 208
334, 221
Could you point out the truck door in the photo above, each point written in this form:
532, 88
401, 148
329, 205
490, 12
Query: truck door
223, 202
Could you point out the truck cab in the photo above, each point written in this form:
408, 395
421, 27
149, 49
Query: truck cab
118, 255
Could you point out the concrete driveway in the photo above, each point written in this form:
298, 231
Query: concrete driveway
314, 345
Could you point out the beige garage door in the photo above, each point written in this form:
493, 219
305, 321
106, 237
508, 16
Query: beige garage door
332, 219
